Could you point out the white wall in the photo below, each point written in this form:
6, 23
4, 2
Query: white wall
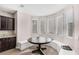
76, 28
23, 26
3, 13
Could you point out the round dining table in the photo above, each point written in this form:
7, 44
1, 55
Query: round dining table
39, 43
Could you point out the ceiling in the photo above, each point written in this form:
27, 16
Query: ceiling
33, 9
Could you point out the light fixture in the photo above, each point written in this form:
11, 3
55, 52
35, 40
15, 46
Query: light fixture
21, 5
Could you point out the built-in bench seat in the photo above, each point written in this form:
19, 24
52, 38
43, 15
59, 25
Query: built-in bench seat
58, 46
21, 45
55, 44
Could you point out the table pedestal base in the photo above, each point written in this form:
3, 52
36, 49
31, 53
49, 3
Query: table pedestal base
39, 50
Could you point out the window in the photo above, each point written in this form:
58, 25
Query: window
60, 24
43, 25
69, 21
34, 26
52, 25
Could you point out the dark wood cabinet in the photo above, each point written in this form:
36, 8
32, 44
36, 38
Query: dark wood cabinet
3, 23
7, 23
0, 45
7, 43
0, 23
10, 24
12, 42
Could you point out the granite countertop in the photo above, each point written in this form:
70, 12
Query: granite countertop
6, 36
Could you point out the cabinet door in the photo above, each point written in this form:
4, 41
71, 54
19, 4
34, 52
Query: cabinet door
6, 43
0, 45
3, 44
3, 23
7, 23
10, 24
12, 42
0, 22
13, 24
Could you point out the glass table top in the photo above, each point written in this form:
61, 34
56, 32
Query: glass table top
40, 39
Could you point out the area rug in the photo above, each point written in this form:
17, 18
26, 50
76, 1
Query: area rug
49, 51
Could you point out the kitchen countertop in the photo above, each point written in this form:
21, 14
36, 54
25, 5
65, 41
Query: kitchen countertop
6, 36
